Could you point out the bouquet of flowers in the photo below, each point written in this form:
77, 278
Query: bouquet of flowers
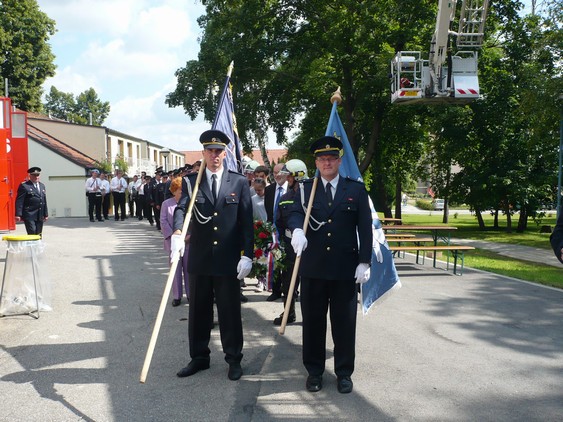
268, 254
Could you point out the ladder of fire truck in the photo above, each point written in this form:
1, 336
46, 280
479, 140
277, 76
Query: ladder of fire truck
444, 77
472, 19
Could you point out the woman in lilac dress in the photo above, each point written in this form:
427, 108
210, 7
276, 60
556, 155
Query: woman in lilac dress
166, 224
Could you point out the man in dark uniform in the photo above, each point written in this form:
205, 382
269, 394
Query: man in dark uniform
556, 238
221, 228
154, 183
272, 197
295, 171
339, 256
31, 203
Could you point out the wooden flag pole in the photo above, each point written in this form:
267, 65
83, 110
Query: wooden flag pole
170, 279
289, 296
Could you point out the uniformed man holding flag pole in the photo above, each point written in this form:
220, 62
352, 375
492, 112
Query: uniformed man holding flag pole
336, 253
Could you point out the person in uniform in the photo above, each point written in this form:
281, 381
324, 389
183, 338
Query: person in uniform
221, 228
338, 256
556, 238
272, 196
295, 171
118, 188
31, 203
93, 188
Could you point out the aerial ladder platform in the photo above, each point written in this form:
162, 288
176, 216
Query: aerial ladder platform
446, 76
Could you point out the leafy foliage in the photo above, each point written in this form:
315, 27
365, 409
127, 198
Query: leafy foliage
64, 106
26, 59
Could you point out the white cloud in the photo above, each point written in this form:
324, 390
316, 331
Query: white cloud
128, 51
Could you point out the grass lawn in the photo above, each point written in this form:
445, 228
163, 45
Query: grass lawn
468, 228
523, 270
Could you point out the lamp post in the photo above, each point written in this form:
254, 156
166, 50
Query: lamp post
165, 152
560, 154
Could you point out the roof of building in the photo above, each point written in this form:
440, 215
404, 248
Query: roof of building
60, 147
274, 155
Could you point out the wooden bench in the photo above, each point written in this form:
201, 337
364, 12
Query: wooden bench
390, 236
456, 250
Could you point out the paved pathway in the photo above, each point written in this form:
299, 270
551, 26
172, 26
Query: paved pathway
479, 347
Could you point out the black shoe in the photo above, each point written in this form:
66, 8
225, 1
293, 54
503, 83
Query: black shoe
344, 385
290, 319
176, 302
273, 296
243, 298
92, 220
235, 371
123, 219
117, 219
193, 367
101, 220
314, 383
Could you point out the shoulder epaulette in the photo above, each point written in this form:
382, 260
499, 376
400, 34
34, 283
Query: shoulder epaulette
348, 178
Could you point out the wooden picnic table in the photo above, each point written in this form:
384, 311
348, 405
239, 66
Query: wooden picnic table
439, 233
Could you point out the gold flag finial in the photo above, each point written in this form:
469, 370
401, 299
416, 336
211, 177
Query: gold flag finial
336, 97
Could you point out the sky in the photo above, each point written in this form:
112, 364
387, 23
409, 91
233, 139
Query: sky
128, 51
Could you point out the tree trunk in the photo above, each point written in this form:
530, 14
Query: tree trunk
480, 219
381, 196
495, 221
508, 218
398, 199
523, 220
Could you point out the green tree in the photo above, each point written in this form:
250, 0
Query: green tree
86, 105
26, 59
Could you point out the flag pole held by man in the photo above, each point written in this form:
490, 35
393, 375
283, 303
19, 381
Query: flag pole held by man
341, 251
223, 136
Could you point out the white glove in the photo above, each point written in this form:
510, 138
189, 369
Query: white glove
362, 273
298, 241
177, 246
244, 266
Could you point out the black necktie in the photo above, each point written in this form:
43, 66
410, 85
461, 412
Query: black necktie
214, 187
329, 194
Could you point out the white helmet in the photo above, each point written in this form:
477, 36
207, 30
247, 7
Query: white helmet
295, 168
251, 166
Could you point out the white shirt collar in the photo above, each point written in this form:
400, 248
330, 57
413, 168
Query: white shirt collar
333, 182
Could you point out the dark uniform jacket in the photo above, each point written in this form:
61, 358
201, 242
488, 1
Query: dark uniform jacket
31, 204
333, 251
160, 193
220, 231
269, 197
556, 237
282, 222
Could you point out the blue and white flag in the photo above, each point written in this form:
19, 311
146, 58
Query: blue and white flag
226, 122
383, 276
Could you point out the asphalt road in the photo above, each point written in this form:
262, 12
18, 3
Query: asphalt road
479, 347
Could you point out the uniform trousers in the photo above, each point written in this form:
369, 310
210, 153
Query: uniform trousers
119, 204
34, 226
226, 291
95, 202
317, 297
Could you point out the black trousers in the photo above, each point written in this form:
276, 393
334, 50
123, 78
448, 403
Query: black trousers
105, 205
317, 297
119, 204
34, 226
95, 202
226, 291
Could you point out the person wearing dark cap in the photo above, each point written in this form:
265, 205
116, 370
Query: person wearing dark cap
31, 203
556, 238
221, 228
93, 188
338, 256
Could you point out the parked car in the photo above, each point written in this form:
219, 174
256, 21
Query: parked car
438, 204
